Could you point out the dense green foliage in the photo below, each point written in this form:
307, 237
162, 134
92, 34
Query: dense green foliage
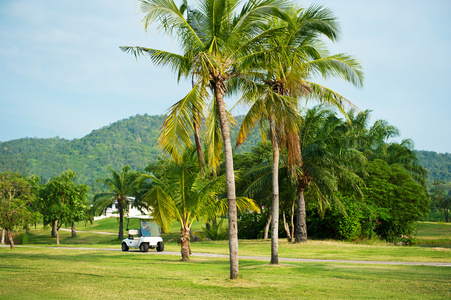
62, 201
392, 188
439, 173
16, 201
392, 204
440, 201
385, 197
336, 224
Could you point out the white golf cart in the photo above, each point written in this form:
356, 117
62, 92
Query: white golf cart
145, 235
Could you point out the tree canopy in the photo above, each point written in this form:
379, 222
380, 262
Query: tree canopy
62, 201
16, 198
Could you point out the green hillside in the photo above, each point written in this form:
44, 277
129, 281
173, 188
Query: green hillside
437, 164
132, 141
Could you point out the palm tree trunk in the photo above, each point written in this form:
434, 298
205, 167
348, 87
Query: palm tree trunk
74, 233
265, 236
120, 207
287, 228
301, 224
275, 195
184, 243
230, 180
292, 220
199, 150
56, 232
11, 241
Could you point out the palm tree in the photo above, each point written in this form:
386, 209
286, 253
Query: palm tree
180, 191
121, 187
216, 40
374, 142
291, 57
379, 146
327, 163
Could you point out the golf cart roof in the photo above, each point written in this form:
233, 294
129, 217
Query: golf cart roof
142, 217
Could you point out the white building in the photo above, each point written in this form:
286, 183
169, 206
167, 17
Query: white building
113, 211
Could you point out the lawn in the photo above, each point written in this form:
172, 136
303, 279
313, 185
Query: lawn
315, 249
44, 272
434, 233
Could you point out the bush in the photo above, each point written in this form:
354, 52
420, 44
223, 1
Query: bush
252, 225
216, 232
336, 224
361, 220
403, 201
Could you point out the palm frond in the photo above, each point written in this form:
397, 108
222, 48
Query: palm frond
178, 125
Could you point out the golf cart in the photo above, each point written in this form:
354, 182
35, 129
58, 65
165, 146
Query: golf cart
145, 235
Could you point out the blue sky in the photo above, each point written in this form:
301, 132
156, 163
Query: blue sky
62, 72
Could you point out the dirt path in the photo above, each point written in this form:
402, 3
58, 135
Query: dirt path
262, 258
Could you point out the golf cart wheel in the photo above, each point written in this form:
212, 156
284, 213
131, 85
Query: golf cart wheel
124, 247
160, 246
144, 247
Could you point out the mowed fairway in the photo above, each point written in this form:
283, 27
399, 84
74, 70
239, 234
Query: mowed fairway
39, 270
45, 273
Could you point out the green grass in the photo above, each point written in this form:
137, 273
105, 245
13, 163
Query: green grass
434, 233
105, 225
44, 273
334, 250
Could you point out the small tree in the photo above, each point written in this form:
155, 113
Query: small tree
62, 201
391, 187
16, 195
180, 191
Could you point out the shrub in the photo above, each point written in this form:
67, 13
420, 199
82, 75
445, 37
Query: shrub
252, 225
336, 224
216, 232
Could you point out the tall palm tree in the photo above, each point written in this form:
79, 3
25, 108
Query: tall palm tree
214, 45
327, 163
180, 191
121, 187
291, 56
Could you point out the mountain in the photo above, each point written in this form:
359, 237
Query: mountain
437, 164
132, 141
